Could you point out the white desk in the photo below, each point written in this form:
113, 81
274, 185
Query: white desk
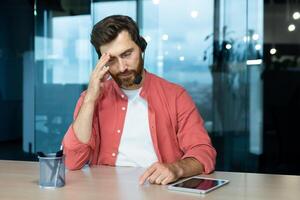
19, 181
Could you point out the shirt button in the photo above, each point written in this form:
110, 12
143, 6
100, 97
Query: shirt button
122, 95
119, 131
123, 108
113, 154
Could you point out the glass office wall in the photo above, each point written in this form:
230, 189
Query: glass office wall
281, 87
237, 86
178, 49
203, 46
62, 64
216, 56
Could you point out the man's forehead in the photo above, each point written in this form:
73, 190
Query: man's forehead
122, 43
117, 52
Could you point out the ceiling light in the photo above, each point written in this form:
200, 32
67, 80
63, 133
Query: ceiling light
155, 2
254, 62
291, 27
296, 15
228, 46
194, 14
165, 37
273, 51
255, 36
258, 47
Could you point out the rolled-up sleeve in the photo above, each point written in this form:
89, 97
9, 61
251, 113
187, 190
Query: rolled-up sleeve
192, 136
77, 154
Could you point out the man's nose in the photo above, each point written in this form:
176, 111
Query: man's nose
122, 65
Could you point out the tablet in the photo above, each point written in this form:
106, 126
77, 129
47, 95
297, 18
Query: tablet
197, 184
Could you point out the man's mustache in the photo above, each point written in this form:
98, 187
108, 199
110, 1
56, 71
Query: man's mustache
127, 72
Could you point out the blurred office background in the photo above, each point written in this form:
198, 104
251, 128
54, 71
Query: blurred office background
238, 59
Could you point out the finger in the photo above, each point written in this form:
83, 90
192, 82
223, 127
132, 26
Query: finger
168, 180
103, 72
102, 61
152, 179
160, 178
101, 65
146, 174
165, 181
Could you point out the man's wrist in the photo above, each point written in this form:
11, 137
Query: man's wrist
187, 167
179, 168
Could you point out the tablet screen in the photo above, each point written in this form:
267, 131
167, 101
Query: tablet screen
201, 184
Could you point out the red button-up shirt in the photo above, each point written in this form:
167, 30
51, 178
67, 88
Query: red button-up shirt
176, 127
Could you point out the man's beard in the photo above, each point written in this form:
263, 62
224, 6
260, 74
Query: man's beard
128, 80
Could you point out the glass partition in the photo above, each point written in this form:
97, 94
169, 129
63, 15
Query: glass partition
62, 58
62, 67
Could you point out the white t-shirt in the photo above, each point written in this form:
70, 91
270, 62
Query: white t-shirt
136, 146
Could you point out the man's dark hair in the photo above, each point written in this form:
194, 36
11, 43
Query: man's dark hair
109, 28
